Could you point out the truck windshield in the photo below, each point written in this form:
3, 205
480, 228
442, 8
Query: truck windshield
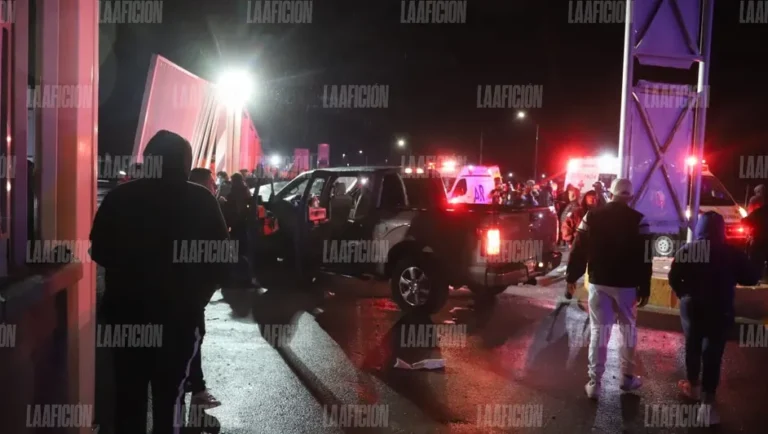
713, 193
424, 192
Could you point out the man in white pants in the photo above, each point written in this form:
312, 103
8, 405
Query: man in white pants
611, 241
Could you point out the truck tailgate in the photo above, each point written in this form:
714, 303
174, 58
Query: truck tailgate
523, 232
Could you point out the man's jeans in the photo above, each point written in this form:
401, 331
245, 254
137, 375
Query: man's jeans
608, 305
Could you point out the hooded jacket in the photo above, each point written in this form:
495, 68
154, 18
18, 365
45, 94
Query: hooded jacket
758, 200
707, 270
148, 234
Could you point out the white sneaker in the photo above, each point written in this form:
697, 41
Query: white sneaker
707, 416
593, 389
689, 391
631, 382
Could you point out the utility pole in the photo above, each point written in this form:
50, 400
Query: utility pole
481, 147
536, 155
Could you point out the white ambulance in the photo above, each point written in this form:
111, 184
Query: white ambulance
473, 184
583, 172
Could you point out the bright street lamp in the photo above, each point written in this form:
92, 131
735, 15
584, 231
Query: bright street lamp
522, 115
510, 174
361, 152
343, 155
235, 87
275, 160
401, 143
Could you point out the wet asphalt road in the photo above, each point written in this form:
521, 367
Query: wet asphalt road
336, 346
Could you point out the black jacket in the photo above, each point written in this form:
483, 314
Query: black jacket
611, 240
138, 232
707, 270
757, 221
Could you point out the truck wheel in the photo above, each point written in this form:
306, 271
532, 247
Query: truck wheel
417, 287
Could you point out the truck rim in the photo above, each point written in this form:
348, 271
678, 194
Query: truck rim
414, 286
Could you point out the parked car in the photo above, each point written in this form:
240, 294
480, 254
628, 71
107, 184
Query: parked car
429, 244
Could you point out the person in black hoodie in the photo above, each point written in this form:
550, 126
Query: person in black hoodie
136, 237
611, 240
704, 274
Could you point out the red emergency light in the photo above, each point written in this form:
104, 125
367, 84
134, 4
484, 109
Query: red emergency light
691, 161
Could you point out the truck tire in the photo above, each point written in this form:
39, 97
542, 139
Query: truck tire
426, 293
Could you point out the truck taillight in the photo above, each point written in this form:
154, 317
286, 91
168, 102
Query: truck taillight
737, 231
492, 242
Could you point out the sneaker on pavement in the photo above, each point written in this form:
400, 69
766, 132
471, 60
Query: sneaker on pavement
593, 389
707, 415
631, 382
205, 400
688, 390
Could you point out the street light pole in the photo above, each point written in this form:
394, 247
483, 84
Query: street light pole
481, 147
536, 153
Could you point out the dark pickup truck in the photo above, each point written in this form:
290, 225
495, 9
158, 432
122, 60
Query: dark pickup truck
380, 221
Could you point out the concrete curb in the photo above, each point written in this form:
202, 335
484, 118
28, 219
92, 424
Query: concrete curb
558, 300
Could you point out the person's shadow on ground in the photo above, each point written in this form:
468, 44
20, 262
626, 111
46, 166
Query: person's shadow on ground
410, 340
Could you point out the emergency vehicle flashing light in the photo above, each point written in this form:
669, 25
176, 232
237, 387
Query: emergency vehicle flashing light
449, 165
691, 161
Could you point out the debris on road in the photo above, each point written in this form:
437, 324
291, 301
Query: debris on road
423, 364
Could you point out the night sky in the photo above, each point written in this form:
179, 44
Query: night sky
432, 72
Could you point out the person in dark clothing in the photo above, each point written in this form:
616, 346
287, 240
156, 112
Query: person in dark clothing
136, 237
237, 207
223, 183
758, 200
573, 219
757, 221
704, 275
201, 396
546, 197
241, 216
611, 241
601, 194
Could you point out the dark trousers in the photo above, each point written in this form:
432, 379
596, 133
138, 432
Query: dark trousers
164, 365
758, 256
196, 381
705, 338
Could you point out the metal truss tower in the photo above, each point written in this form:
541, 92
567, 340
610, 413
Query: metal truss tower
663, 124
